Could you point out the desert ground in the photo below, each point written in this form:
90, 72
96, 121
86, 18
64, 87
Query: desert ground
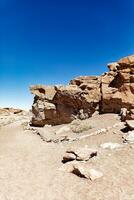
32, 167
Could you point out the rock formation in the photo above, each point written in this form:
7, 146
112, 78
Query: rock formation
108, 93
9, 111
61, 104
117, 87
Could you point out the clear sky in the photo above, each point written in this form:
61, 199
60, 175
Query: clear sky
53, 41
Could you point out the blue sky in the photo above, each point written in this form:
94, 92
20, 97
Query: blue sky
53, 41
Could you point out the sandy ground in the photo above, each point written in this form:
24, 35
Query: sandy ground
29, 167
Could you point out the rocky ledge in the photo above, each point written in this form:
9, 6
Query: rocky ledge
112, 92
10, 111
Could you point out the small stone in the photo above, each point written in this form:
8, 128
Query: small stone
84, 171
130, 124
123, 114
129, 137
94, 174
69, 157
103, 130
110, 145
82, 153
48, 125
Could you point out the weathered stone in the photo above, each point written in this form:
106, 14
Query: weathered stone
113, 66
117, 88
42, 91
123, 114
9, 111
69, 157
82, 170
129, 137
94, 174
83, 153
85, 95
130, 124
63, 104
110, 145
43, 116
129, 60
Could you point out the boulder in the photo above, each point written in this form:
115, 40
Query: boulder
62, 104
117, 88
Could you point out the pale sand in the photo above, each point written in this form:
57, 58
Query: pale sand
29, 168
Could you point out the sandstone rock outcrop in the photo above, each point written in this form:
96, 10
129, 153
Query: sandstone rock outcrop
62, 104
9, 111
108, 93
117, 87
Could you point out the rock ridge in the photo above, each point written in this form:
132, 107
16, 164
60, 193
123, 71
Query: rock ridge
86, 95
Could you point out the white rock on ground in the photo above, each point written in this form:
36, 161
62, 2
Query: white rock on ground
110, 145
95, 174
123, 114
85, 171
129, 137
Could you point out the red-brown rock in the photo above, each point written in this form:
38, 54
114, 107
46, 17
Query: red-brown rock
84, 95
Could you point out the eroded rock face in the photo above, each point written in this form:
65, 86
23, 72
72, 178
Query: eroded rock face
8, 111
62, 104
117, 87
85, 95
